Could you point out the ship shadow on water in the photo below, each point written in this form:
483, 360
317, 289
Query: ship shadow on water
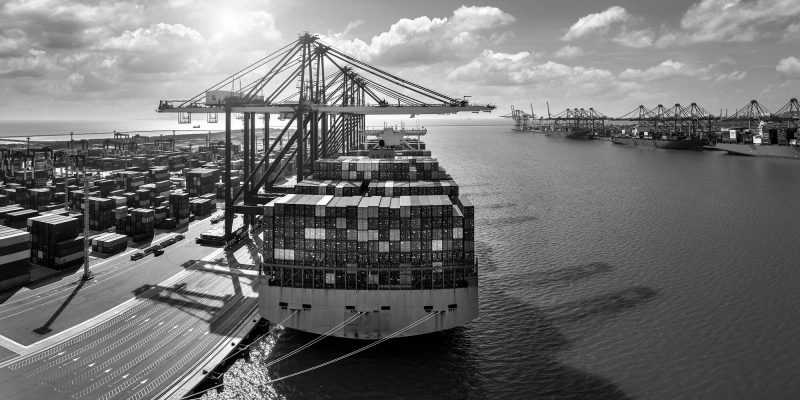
568, 275
602, 305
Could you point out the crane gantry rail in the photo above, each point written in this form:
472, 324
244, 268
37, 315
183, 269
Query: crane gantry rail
324, 94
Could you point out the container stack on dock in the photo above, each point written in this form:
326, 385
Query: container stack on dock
15, 251
179, 207
139, 224
17, 219
5, 210
202, 206
160, 217
109, 243
105, 186
55, 242
200, 181
38, 199
141, 198
102, 213
129, 181
157, 174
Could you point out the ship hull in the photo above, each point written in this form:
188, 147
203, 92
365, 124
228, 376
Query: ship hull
575, 134
751, 150
383, 312
681, 144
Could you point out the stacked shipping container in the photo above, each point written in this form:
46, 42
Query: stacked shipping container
102, 213
201, 181
179, 207
55, 242
15, 248
365, 168
109, 243
369, 223
138, 224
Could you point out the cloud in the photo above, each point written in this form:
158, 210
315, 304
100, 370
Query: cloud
428, 40
569, 52
505, 69
636, 39
597, 22
732, 21
789, 67
157, 48
352, 25
792, 32
672, 69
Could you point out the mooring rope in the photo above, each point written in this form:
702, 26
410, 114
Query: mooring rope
354, 352
291, 353
259, 338
342, 357
317, 339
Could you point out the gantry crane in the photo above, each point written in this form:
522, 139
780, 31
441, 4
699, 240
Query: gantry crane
323, 93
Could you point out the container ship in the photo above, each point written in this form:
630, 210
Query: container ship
671, 143
576, 133
373, 242
647, 136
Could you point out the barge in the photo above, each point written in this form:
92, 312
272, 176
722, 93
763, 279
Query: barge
373, 242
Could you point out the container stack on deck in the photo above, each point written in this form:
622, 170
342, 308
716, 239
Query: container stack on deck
55, 242
332, 187
372, 214
15, 251
364, 168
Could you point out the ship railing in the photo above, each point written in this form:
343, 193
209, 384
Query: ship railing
391, 278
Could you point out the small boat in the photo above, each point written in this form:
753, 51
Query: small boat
196, 126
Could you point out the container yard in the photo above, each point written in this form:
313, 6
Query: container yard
132, 195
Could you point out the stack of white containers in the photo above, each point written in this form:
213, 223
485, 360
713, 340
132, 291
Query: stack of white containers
15, 250
109, 243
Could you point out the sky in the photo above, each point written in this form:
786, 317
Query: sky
102, 60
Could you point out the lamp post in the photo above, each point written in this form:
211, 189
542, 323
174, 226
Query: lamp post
87, 275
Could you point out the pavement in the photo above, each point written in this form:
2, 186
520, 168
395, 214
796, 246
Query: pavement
139, 330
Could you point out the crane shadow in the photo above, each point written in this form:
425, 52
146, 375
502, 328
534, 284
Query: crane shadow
45, 329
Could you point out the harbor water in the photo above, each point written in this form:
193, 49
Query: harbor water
605, 272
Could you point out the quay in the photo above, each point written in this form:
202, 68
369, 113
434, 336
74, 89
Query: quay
143, 329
